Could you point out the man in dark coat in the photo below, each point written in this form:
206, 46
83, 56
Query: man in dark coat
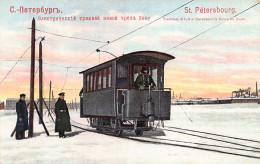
62, 123
22, 118
144, 80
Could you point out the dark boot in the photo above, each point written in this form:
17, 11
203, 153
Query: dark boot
63, 135
60, 134
18, 135
23, 135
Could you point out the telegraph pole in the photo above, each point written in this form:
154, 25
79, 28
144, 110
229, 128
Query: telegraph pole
52, 99
31, 112
49, 98
76, 103
256, 89
72, 105
40, 81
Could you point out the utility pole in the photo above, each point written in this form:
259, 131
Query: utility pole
40, 81
72, 105
256, 89
50, 98
31, 112
76, 103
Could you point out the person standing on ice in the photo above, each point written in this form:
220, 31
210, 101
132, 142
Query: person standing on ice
62, 123
22, 118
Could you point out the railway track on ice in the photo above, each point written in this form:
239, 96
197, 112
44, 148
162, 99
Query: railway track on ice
237, 148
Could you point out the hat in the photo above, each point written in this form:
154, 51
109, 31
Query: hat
22, 95
61, 94
145, 68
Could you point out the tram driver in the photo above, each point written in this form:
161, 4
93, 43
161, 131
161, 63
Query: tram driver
144, 80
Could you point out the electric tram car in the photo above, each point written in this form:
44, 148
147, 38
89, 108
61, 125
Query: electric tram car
111, 100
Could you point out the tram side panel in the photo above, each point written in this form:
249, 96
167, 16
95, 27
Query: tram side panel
99, 104
136, 104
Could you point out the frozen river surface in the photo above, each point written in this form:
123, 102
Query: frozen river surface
166, 145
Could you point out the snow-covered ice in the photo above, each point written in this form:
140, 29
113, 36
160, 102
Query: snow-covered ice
238, 120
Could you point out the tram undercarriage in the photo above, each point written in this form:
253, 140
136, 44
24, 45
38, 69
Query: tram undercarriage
117, 126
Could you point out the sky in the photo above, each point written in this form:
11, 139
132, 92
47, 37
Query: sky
213, 64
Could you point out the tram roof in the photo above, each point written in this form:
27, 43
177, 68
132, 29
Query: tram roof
153, 54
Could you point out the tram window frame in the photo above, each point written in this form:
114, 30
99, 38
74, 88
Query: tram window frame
94, 79
87, 82
122, 71
104, 78
151, 67
109, 72
91, 82
99, 80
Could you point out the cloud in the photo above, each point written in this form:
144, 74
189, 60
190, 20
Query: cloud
143, 40
76, 13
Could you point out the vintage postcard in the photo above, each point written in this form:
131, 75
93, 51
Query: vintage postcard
130, 82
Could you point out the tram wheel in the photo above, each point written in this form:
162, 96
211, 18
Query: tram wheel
118, 133
139, 133
99, 130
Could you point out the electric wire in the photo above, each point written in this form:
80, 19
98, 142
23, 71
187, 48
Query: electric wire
209, 29
65, 79
186, 114
19, 59
15, 65
60, 65
139, 28
71, 37
110, 42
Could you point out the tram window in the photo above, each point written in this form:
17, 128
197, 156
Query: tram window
91, 82
95, 81
99, 79
154, 75
104, 78
109, 77
122, 71
87, 83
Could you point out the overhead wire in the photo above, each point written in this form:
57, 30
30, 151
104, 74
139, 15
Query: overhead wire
19, 59
60, 65
65, 78
71, 37
15, 65
153, 22
110, 42
139, 28
211, 28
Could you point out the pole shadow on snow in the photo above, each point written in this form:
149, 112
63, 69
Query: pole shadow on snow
36, 134
69, 134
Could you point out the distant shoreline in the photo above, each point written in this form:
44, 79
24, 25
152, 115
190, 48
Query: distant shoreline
214, 101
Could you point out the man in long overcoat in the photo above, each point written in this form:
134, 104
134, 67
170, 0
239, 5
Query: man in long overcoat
22, 118
62, 123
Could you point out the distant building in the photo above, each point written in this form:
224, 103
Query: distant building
2, 105
11, 103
